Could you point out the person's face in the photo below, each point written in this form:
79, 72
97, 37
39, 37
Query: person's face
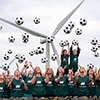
82, 70
17, 73
91, 71
74, 52
1, 76
30, 73
38, 70
50, 71
61, 70
65, 52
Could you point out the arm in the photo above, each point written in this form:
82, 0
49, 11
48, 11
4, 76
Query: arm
46, 74
33, 79
9, 85
25, 87
75, 83
78, 49
25, 71
30, 63
17, 66
68, 49
57, 79
71, 52
62, 50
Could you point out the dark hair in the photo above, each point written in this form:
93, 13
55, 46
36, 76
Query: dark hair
63, 54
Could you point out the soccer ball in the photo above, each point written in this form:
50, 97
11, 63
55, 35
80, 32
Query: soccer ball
11, 39
17, 56
62, 43
36, 52
94, 41
78, 31
90, 66
44, 60
96, 54
98, 45
5, 67
19, 21
66, 42
36, 20
9, 51
25, 41
31, 53
25, 38
67, 29
94, 48
71, 24
6, 57
83, 21
54, 57
75, 42
49, 39
0, 26
40, 50
21, 58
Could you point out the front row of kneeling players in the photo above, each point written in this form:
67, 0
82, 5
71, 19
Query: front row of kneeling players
41, 85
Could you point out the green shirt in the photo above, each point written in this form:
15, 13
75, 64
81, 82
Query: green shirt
98, 88
64, 61
50, 87
82, 86
61, 88
29, 85
38, 87
17, 88
3, 93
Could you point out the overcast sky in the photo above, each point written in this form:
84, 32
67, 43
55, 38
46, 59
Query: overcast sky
51, 12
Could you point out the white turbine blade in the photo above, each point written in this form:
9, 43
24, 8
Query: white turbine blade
11, 61
43, 41
55, 51
25, 29
48, 54
59, 26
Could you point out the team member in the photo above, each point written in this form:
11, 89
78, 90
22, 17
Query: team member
38, 82
82, 82
64, 58
17, 85
74, 54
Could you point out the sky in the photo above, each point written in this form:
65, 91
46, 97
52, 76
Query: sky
51, 12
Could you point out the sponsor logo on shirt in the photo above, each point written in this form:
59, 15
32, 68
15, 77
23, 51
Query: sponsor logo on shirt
49, 82
17, 86
61, 82
29, 81
1, 88
38, 82
75, 60
82, 83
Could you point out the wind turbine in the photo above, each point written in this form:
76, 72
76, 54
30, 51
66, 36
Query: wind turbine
38, 34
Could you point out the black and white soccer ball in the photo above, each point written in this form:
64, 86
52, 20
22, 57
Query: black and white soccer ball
36, 20
66, 42
44, 60
96, 54
67, 29
11, 39
21, 58
19, 21
50, 39
53, 57
36, 52
98, 45
94, 48
5, 67
75, 42
31, 53
25, 41
83, 21
17, 56
25, 36
71, 24
94, 41
62, 43
78, 31
9, 51
40, 50
6, 57
90, 66
0, 26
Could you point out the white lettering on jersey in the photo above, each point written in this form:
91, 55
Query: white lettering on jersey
49, 82
29, 81
61, 82
38, 82
1, 88
17, 86
82, 83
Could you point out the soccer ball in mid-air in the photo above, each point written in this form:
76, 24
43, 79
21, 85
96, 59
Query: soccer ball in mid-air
94, 41
50, 39
71, 24
62, 43
17, 56
6, 57
0, 26
25, 38
67, 29
21, 58
78, 31
5, 67
96, 54
75, 42
36, 52
98, 45
9, 51
90, 66
66, 42
54, 57
36, 20
83, 21
31, 53
44, 60
19, 21
94, 48
40, 50
11, 39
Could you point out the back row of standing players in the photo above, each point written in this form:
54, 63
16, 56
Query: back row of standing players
66, 82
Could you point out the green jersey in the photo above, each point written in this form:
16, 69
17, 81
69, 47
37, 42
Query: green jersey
3, 93
61, 88
38, 87
17, 88
29, 85
98, 88
50, 87
64, 61
82, 86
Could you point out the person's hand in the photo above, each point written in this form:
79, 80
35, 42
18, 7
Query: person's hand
22, 81
17, 66
8, 72
95, 70
3, 74
30, 63
65, 66
12, 77
78, 44
76, 79
26, 63
46, 68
